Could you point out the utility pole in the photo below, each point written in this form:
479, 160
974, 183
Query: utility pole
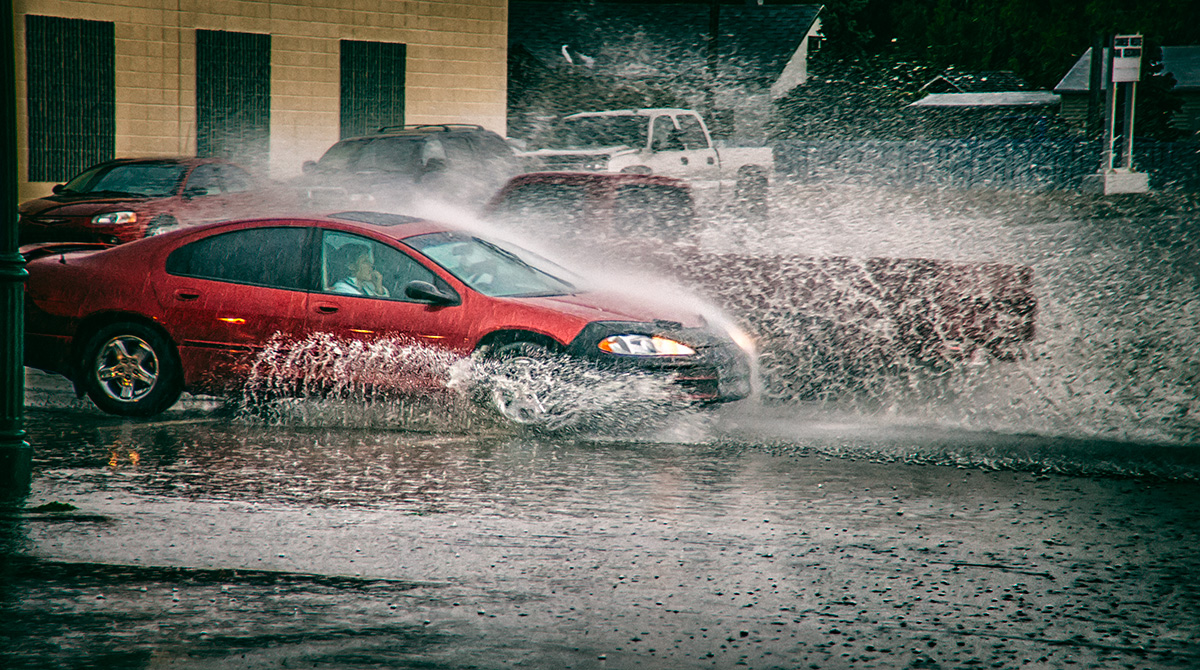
714, 31
1096, 87
15, 453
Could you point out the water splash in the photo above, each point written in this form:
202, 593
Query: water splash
396, 384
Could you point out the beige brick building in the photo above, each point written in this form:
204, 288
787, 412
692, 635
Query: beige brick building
269, 82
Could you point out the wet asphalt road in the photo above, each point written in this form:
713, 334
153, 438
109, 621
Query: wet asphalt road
200, 540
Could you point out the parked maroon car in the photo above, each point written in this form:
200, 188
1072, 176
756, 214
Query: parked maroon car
134, 325
128, 199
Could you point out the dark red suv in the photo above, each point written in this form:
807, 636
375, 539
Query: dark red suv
128, 199
134, 325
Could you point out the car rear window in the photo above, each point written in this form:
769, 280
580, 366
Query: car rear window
649, 209
534, 205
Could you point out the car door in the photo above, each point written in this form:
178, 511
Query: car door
349, 304
697, 147
226, 295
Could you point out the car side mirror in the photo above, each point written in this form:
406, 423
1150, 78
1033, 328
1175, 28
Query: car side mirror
423, 291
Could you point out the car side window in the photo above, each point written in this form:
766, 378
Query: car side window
355, 265
273, 257
691, 132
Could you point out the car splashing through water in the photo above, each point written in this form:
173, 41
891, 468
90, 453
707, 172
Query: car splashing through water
391, 383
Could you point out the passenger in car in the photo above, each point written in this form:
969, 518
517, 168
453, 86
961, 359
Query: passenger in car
363, 278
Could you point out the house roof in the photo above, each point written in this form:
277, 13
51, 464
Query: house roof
1182, 62
996, 99
956, 81
661, 41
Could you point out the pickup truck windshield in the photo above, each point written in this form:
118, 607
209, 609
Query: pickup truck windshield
597, 132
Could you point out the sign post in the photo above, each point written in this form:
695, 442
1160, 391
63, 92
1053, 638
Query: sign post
1116, 173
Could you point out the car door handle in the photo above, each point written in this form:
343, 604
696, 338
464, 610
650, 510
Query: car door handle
711, 160
184, 295
683, 159
327, 308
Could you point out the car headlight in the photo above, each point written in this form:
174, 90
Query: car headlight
114, 218
644, 345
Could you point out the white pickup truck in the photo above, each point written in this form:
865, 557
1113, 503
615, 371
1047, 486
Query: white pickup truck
664, 141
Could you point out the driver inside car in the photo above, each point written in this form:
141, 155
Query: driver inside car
362, 277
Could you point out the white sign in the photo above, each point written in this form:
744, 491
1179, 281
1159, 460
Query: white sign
1127, 58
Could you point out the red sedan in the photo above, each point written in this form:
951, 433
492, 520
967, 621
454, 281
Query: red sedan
128, 199
134, 325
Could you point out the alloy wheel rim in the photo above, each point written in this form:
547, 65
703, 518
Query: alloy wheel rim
519, 391
126, 368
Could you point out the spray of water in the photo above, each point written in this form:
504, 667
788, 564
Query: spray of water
395, 384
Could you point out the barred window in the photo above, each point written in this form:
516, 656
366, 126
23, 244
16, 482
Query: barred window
233, 96
372, 93
70, 70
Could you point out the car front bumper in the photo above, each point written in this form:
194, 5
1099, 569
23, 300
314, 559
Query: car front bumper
719, 371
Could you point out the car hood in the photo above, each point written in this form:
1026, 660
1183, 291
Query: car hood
598, 306
78, 205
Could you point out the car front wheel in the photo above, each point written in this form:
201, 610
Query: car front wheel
523, 383
130, 369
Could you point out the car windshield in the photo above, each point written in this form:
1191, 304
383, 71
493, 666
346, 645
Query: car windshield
490, 268
339, 156
595, 132
150, 180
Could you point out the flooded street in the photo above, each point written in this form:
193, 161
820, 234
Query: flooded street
196, 541
1040, 513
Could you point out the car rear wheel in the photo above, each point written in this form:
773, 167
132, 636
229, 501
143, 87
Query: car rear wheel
522, 383
130, 369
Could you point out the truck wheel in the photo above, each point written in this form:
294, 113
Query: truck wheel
130, 369
750, 195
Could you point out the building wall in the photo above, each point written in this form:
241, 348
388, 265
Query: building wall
456, 67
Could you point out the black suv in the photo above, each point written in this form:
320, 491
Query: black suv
457, 163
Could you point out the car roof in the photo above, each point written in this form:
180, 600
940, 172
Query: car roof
163, 160
424, 130
390, 225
